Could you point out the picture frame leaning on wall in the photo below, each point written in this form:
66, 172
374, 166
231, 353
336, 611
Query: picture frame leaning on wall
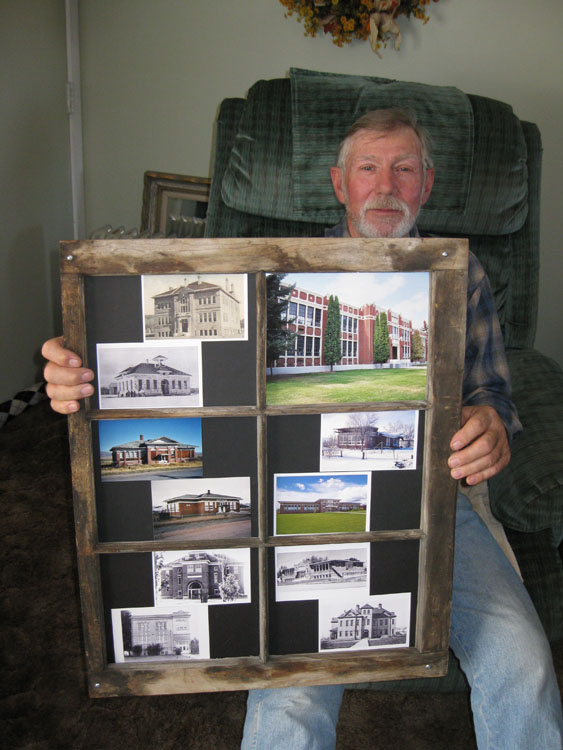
174, 204
397, 627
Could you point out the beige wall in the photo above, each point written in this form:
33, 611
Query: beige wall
34, 173
153, 74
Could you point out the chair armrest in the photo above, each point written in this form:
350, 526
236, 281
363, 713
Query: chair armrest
528, 494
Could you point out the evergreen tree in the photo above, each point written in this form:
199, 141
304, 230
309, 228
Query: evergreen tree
278, 336
381, 339
332, 351
417, 348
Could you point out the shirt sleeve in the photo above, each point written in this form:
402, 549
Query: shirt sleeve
486, 378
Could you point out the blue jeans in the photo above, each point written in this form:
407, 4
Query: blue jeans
497, 637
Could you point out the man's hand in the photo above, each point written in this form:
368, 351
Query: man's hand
480, 447
67, 380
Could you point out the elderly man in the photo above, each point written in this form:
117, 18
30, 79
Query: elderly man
383, 176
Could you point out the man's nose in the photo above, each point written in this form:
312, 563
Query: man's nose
385, 182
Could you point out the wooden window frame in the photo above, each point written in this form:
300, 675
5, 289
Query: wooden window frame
446, 262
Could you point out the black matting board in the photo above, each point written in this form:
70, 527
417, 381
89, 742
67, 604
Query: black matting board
114, 315
403, 558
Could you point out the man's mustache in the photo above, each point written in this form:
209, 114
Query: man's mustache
390, 203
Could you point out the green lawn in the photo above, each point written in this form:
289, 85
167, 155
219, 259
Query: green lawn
319, 523
349, 386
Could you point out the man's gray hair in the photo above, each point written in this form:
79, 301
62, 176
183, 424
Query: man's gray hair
385, 121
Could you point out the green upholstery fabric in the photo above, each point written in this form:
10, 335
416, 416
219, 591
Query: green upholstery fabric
542, 571
224, 221
528, 494
498, 199
283, 172
324, 106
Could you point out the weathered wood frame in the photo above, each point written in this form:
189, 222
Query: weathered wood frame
446, 262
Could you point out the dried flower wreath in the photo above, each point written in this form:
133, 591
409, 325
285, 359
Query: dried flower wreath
346, 20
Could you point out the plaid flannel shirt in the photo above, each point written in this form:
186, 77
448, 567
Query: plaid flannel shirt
486, 378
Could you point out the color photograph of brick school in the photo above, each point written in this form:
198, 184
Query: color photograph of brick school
374, 325
147, 448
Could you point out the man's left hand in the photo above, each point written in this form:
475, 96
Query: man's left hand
480, 447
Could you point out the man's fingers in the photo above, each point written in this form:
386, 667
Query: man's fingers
69, 392
54, 351
477, 463
72, 376
65, 407
67, 380
477, 475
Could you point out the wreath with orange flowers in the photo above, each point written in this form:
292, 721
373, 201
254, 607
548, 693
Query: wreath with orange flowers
346, 20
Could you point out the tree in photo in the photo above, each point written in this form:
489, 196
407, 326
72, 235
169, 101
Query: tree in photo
332, 351
381, 339
363, 424
229, 588
278, 336
417, 349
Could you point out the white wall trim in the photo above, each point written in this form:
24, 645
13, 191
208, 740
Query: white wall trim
74, 109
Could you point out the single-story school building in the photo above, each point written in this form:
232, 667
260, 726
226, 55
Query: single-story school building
161, 450
150, 379
370, 438
204, 504
328, 569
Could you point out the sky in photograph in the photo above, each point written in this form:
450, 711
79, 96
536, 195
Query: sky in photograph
384, 420
307, 487
116, 431
404, 293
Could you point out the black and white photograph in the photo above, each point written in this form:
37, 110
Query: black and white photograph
141, 376
352, 624
207, 307
369, 440
205, 576
201, 508
146, 449
171, 633
321, 571
321, 503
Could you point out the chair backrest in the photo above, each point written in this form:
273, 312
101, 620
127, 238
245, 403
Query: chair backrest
271, 178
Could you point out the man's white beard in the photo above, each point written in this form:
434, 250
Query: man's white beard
385, 228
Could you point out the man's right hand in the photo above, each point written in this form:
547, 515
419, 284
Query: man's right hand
67, 380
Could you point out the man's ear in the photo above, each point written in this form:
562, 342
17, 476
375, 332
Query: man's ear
428, 184
337, 183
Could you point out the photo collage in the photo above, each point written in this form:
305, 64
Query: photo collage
185, 479
179, 313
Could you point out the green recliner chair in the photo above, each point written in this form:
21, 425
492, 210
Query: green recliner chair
270, 178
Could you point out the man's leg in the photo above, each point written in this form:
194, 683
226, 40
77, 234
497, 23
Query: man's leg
499, 640
295, 718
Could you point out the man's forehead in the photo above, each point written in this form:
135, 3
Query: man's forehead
403, 139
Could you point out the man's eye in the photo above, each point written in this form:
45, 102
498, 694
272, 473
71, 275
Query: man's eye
366, 168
